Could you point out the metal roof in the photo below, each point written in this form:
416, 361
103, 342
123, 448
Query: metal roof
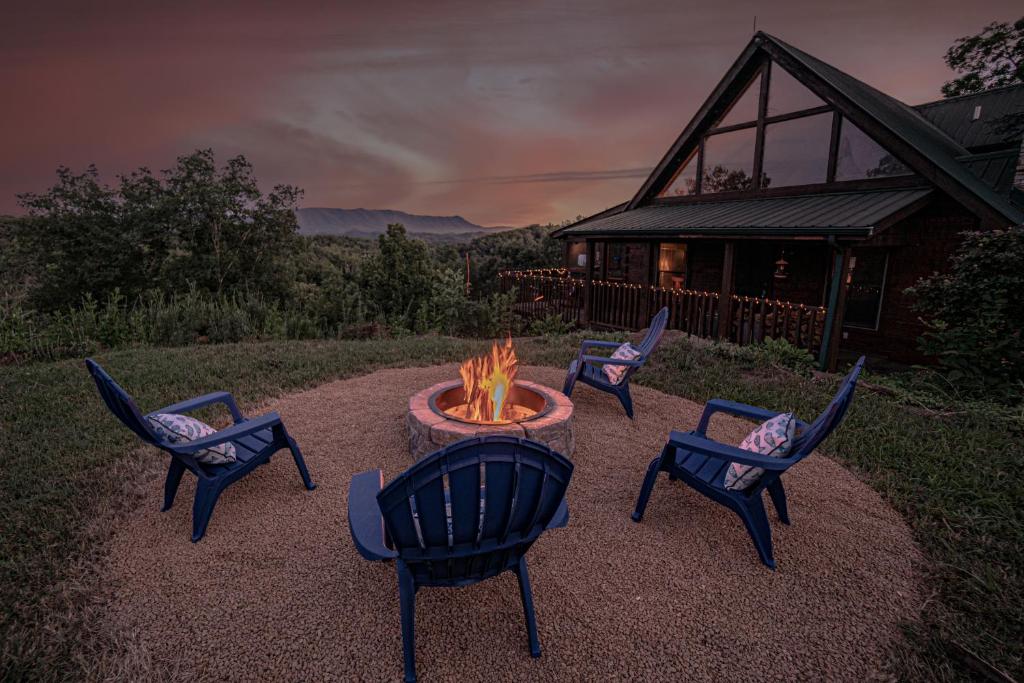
995, 168
955, 116
840, 213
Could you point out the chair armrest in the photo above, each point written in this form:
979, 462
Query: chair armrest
588, 343
365, 522
561, 517
717, 405
203, 401
237, 431
695, 443
602, 360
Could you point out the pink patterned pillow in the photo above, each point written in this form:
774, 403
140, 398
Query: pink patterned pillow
774, 437
615, 373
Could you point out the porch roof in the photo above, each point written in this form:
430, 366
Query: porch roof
852, 214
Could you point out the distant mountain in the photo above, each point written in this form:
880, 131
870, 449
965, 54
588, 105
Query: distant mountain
373, 222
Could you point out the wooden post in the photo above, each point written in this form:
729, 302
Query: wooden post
725, 292
587, 277
832, 334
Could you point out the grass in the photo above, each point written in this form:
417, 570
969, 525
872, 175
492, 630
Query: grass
953, 475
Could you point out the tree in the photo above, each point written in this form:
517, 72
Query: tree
196, 227
990, 59
975, 315
399, 280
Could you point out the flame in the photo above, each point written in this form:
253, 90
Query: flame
486, 383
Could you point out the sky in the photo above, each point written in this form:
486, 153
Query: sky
506, 113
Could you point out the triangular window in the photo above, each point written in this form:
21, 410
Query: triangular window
860, 157
744, 109
685, 180
786, 94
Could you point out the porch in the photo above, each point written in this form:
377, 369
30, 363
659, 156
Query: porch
737, 316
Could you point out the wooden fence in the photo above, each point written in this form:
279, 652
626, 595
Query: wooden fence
624, 306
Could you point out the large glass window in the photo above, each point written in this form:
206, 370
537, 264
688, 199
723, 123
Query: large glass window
685, 181
786, 94
577, 256
867, 282
672, 265
861, 157
729, 161
796, 151
744, 109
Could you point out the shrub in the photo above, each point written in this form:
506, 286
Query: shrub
975, 313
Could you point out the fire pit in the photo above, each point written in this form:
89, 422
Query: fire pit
489, 400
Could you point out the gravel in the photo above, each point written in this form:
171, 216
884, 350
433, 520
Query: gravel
276, 589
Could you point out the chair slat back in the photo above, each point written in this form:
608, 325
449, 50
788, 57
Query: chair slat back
472, 509
654, 332
120, 403
833, 414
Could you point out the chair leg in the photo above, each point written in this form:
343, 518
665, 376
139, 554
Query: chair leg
648, 486
756, 520
570, 383
778, 494
526, 594
626, 400
407, 597
300, 463
202, 508
174, 473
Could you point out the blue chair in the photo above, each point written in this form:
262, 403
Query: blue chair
255, 441
702, 463
463, 514
586, 368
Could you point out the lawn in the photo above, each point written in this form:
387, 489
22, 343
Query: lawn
951, 473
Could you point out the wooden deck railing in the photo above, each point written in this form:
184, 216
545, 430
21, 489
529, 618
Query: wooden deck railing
624, 306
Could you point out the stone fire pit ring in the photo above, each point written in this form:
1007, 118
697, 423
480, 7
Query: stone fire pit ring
430, 430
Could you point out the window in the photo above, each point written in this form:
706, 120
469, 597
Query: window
672, 266
744, 109
786, 94
796, 151
685, 180
729, 161
577, 255
867, 282
861, 157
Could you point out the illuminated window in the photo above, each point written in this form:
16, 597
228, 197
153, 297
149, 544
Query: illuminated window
577, 256
729, 161
861, 157
672, 266
796, 151
685, 180
867, 282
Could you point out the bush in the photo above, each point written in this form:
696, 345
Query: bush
975, 314
550, 325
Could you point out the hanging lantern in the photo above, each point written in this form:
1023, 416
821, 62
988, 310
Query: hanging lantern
780, 267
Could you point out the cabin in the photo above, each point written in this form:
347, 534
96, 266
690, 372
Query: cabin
799, 203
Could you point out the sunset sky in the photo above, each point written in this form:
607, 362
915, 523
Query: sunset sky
506, 113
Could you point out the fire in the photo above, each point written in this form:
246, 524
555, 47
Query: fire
486, 383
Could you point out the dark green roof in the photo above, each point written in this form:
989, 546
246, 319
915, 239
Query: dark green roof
853, 214
955, 117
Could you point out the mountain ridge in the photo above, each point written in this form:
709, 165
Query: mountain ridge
368, 222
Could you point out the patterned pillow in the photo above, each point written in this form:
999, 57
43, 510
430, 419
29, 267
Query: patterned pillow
774, 437
175, 428
615, 373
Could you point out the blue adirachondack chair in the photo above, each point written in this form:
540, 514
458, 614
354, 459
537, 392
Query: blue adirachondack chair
702, 463
463, 514
586, 368
255, 440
